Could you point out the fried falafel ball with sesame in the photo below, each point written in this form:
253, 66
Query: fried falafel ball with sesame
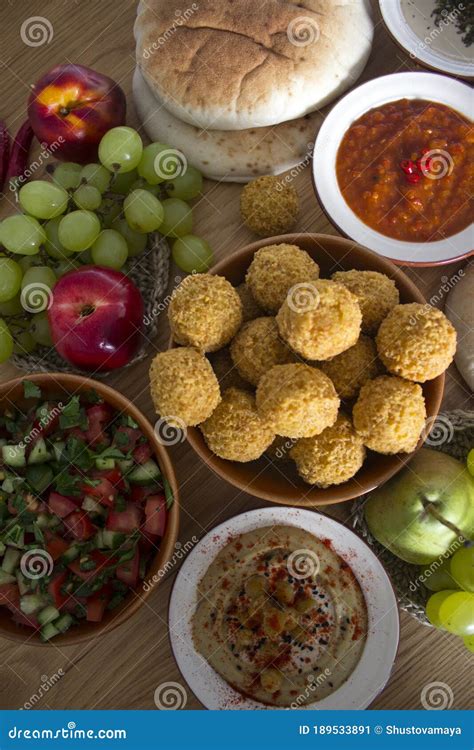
297, 400
183, 386
321, 320
416, 341
205, 312
250, 309
332, 457
274, 270
352, 368
375, 292
226, 372
235, 431
257, 347
390, 414
269, 206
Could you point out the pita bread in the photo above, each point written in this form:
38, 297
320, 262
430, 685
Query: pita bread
250, 63
232, 156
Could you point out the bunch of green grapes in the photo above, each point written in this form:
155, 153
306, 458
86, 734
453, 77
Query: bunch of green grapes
98, 213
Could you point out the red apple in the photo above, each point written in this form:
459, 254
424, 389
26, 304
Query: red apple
72, 107
96, 318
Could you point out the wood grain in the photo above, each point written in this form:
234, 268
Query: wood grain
123, 669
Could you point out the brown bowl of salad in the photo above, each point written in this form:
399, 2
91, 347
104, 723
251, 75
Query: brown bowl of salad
89, 508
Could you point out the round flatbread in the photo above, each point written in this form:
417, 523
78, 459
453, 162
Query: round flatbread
244, 64
232, 156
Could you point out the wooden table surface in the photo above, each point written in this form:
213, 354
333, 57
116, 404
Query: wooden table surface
122, 670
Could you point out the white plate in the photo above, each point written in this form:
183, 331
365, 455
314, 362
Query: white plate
372, 94
373, 670
411, 24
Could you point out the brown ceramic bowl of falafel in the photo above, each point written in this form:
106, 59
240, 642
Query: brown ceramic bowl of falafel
304, 368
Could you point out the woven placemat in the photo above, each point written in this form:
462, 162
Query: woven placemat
451, 433
150, 272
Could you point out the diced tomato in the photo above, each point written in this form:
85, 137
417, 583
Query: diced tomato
97, 603
56, 546
139, 494
29, 620
97, 417
142, 453
155, 513
149, 542
99, 413
101, 561
129, 439
10, 595
128, 571
61, 505
79, 525
114, 476
106, 486
54, 589
77, 433
125, 521
72, 602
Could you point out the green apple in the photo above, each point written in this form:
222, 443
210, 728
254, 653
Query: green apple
420, 513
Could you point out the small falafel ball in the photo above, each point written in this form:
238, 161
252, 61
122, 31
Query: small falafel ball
274, 270
390, 414
257, 347
320, 321
332, 457
205, 312
352, 368
226, 371
376, 293
235, 431
183, 386
416, 341
268, 206
250, 309
297, 400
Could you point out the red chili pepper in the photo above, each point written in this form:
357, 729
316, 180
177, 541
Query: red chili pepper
413, 178
408, 166
4, 151
19, 153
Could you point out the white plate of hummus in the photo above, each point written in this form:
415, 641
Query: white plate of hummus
283, 608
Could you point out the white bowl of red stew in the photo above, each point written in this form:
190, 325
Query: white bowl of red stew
393, 167
88, 509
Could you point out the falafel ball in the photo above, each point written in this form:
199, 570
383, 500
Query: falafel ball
275, 269
321, 320
183, 386
205, 312
250, 309
235, 431
268, 206
376, 293
390, 414
257, 347
297, 400
352, 368
332, 457
416, 341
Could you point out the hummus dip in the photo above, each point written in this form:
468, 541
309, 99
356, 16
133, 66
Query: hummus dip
280, 616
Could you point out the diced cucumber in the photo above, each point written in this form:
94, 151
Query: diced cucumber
146, 473
92, 506
2, 548
11, 559
39, 477
58, 450
6, 577
112, 539
14, 455
125, 464
48, 614
99, 539
31, 603
3, 441
23, 585
64, 622
105, 463
53, 521
15, 536
48, 632
39, 453
71, 553
42, 520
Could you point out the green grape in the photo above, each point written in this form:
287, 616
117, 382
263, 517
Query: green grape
469, 642
27, 262
108, 211
178, 218
147, 167
142, 184
52, 245
462, 568
110, 249
22, 235
136, 241
120, 149
43, 275
36, 294
40, 329
186, 186
23, 341
97, 176
78, 230
42, 199
64, 266
433, 606
439, 579
192, 254
6, 342
10, 279
470, 461
12, 307
87, 197
122, 183
143, 212
456, 613
67, 175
